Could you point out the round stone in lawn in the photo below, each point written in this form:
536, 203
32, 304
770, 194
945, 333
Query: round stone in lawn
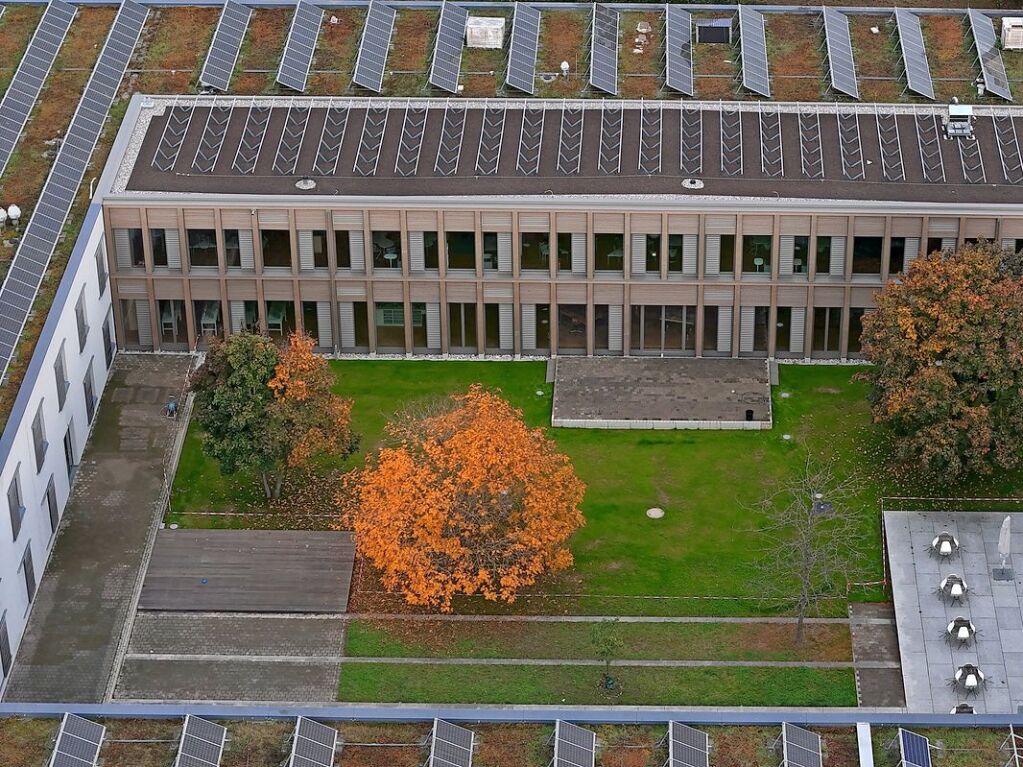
655, 513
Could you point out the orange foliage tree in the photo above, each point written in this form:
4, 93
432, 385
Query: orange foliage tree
465, 499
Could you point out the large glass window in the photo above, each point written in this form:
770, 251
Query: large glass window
490, 250
536, 250
319, 249
608, 252
827, 328
867, 255
172, 323
276, 245
663, 329
343, 247
420, 334
361, 313
761, 314
756, 254
543, 327
386, 250
564, 252
136, 250
232, 249
390, 324
462, 327
280, 318
207, 318
601, 328
571, 328
783, 331
710, 330
158, 244
897, 255
823, 265
431, 251
461, 250
800, 254
653, 254
492, 328
202, 247
856, 329
311, 321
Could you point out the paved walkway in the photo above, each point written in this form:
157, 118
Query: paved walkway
648, 663
87, 591
876, 653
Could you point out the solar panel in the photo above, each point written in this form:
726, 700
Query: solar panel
678, 34
54, 203
800, 748
573, 746
298, 50
202, 743
447, 50
78, 743
604, 49
522, 50
914, 53
687, 747
914, 750
376, 40
753, 51
992, 67
450, 745
841, 63
227, 42
312, 745
24, 88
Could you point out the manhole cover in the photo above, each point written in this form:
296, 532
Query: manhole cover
655, 513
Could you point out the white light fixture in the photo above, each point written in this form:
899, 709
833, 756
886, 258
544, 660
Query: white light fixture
13, 213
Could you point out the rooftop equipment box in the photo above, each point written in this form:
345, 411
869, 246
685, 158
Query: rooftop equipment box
1012, 33
484, 32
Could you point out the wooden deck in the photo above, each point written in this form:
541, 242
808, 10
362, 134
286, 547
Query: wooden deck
277, 571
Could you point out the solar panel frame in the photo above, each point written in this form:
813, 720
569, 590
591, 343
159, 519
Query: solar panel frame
992, 68
446, 66
450, 745
687, 746
293, 71
371, 60
78, 742
604, 49
914, 749
201, 744
914, 53
756, 76
841, 60
523, 48
311, 743
574, 746
226, 46
678, 59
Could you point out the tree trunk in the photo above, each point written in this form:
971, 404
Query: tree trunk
277, 486
801, 627
266, 484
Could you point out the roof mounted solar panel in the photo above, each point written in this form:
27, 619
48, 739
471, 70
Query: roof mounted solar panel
573, 746
78, 743
914, 53
992, 68
841, 64
447, 50
312, 745
799, 747
450, 745
522, 50
373, 48
678, 35
687, 747
25, 86
226, 45
753, 51
604, 49
914, 750
54, 203
202, 743
293, 71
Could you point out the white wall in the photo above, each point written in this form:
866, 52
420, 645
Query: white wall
17, 451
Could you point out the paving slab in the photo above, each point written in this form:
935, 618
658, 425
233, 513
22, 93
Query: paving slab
236, 634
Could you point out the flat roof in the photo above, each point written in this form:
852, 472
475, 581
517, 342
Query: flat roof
380, 147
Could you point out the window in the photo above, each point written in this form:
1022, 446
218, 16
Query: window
564, 252
390, 324
101, 269
360, 310
69, 449
202, 247
608, 252
52, 510
571, 328
60, 374
492, 322
601, 328
756, 254
90, 394
827, 324
83, 327
760, 334
39, 437
867, 255
158, 243
319, 249
108, 343
856, 329
5, 648
727, 262
207, 318
276, 244
800, 254
897, 255
14, 504
653, 253
136, 250
280, 318
663, 329
431, 251
30, 574
543, 327
934, 244
343, 247
536, 250
386, 250
172, 322
783, 331
462, 326
823, 255
461, 248
490, 249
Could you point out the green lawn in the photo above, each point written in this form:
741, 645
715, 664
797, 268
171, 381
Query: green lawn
552, 685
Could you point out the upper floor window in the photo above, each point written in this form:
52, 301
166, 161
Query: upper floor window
83, 326
60, 374
276, 248
128, 249
15, 505
39, 437
202, 247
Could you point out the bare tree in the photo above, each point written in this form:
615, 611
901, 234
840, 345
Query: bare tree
815, 532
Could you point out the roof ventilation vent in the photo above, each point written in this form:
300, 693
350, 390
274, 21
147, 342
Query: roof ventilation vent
692, 183
305, 184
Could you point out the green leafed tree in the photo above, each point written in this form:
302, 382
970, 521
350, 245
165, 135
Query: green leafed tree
947, 346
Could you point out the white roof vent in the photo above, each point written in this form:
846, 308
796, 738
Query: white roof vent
1012, 33
484, 32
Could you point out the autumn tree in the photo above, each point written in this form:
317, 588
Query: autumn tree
268, 410
464, 499
947, 346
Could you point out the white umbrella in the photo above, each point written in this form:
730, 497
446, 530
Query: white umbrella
1004, 542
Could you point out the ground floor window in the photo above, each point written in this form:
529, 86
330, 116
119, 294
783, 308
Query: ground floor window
662, 329
172, 323
462, 327
572, 328
207, 319
856, 329
827, 328
280, 318
389, 318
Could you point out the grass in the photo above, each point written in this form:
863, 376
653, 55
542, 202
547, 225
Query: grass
966, 747
697, 641
574, 685
26, 741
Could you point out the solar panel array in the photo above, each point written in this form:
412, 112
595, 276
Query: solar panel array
573, 746
28, 79
450, 745
54, 203
800, 748
914, 53
753, 51
522, 50
447, 51
227, 43
78, 742
841, 63
376, 41
298, 50
202, 743
687, 747
678, 35
914, 750
604, 49
312, 745
992, 67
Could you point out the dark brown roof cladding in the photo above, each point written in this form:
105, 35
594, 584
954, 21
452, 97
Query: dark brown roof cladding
957, 178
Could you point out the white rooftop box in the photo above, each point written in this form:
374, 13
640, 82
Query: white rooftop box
1012, 33
484, 32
